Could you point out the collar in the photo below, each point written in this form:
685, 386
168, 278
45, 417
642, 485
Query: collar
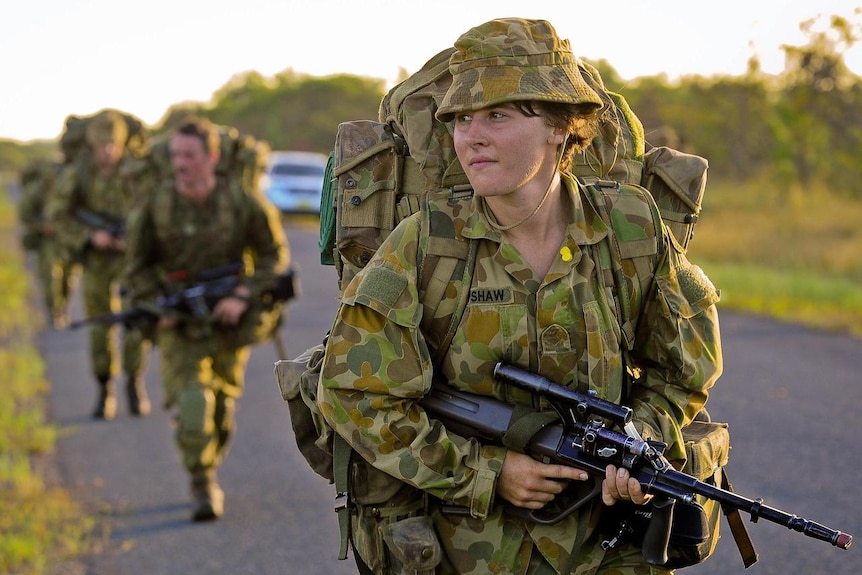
586, 227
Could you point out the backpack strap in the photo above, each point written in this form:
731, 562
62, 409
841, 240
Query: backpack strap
441, 254
634, 222
445, 267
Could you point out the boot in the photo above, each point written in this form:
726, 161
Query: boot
207, 496
106, 403
139, 402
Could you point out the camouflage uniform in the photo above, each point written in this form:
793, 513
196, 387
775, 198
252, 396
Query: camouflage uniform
563, 326
81, 185
202, 362
53, 268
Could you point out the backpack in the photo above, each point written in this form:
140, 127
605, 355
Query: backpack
74, 145
381, 172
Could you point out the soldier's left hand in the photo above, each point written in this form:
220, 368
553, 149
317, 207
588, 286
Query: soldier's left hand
619, 485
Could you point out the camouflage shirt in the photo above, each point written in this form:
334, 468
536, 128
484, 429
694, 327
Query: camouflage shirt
81, 186
170, 234
563, 326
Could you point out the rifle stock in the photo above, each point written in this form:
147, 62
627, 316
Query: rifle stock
582, 441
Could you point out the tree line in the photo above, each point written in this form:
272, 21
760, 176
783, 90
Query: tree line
800, 127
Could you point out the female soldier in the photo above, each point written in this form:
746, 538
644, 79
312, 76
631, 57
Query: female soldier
520, 110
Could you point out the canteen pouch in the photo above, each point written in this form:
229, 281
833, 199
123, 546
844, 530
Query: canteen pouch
413, 545
390, 528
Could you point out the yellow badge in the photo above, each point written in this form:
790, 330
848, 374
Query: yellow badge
566, 253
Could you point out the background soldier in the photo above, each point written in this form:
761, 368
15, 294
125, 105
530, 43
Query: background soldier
191, 224
53, 268
88, 210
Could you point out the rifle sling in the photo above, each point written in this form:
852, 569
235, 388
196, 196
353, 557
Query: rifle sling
738, 529
525, 423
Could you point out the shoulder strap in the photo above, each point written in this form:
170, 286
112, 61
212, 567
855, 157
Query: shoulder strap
445, 267
446, 259
634, 224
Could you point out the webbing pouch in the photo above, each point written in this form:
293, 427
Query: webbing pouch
677, 182
368, 165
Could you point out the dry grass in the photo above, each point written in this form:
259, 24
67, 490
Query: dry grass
795, 256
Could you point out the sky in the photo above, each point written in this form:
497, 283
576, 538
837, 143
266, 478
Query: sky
62, 57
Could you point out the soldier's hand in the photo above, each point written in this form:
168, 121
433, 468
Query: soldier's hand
101, 240
619, 485
525, 482
229, 310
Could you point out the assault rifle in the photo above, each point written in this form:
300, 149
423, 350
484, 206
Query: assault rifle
199, 299
112, 224
580, 438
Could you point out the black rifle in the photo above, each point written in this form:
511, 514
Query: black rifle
112, 224
581, 439
199, 299
210, 286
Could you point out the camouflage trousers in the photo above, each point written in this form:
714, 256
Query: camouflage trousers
101, 291
202, 379
592, 560
56, 276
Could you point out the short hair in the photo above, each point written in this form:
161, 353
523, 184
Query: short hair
578, 121
202, 129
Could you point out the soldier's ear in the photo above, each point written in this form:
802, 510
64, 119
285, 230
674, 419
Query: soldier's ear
558, 137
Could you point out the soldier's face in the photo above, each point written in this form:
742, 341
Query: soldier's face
107, 154
504, 151
190, 160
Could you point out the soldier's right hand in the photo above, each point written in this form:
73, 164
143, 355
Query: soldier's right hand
528, 483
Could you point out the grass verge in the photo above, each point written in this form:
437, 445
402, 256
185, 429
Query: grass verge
40, 523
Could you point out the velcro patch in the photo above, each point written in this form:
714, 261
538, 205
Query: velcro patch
382, 284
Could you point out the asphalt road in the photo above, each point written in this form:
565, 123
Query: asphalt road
789, 394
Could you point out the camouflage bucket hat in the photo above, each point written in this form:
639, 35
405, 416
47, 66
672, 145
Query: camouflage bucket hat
513, 59
106, 127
